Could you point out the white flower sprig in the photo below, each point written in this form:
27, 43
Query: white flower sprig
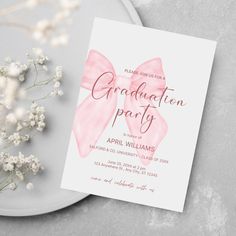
52, 29
17, 168
21, 115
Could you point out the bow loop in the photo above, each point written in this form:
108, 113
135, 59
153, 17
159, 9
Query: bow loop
97, 65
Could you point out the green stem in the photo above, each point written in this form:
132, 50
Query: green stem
17, 25
42, 98
5, 182
36, 73
40, 83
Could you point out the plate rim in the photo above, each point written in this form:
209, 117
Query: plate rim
77, 197
24, 212
132, 12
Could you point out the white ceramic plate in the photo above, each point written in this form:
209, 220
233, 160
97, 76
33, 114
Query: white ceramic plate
51, 147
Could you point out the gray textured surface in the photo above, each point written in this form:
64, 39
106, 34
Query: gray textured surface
210, 207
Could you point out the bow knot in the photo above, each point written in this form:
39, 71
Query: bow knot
123, 82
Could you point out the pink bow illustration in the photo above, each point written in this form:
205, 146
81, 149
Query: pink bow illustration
93, 115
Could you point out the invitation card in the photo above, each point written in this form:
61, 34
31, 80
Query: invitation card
138, 115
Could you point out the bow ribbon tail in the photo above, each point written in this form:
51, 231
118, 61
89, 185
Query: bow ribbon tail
90, 121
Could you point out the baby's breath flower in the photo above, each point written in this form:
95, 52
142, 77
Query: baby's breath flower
60, 92
57, 84
41, 59
20, 175
19, 166
3, 82
19, 112
13, 70
21, 78
16, 138
69, 4
3, 134
8, 167
36, 117
3, 70
29, 186
11, 118
58, 73
19, 127
59, 40
32, 3
45, 68
17, 70
12, 186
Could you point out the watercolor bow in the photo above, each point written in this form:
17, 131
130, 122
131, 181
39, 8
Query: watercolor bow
93, 115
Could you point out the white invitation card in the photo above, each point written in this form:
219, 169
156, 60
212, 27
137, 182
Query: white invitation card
138, 115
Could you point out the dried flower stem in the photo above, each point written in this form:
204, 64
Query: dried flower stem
17, 25
12, 8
